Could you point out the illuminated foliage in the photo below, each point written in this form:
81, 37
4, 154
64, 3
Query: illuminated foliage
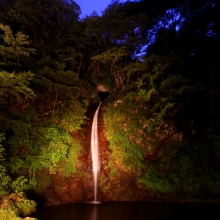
21, 207
4, 177
68, 166
9, 215
35, 148
14, 86
124, 134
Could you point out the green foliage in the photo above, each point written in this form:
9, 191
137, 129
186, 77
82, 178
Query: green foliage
111, 56
35, 148
15, 45
114, 58
121, 128
2, 138
191, 176
157, 181
114, 170
4, 178
180, 180
43, 182
57, 148
63, 98
70, 115
14, 49
184, 175
25, 207
49, 24
22, 184
15, 86
68, 166
157, 121
8, 214
17, 205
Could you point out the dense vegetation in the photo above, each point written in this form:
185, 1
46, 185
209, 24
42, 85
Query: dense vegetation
160, 61
163, 120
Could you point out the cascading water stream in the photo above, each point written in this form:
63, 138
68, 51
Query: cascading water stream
94, 150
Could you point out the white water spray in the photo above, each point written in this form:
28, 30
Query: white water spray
95, 151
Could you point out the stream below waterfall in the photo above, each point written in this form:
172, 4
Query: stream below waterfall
129, 211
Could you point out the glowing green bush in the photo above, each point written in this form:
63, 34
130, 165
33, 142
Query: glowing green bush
70, 115
4, 178
26, 207
68, 166
35, 148
8, 214
11, 214
22, 184
122, 132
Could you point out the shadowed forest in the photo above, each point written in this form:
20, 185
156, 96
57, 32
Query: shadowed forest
159, 127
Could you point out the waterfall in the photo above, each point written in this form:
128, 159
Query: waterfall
94, 150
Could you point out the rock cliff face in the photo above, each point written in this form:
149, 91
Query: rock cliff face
78, 187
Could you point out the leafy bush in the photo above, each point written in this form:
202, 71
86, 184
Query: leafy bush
35, 148
122, 130
68, 166
156, 180
193, 175
4, 178
26, 207
70, 115
22, 184
8, 214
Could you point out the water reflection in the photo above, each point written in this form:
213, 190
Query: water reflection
94, 213
129, 211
